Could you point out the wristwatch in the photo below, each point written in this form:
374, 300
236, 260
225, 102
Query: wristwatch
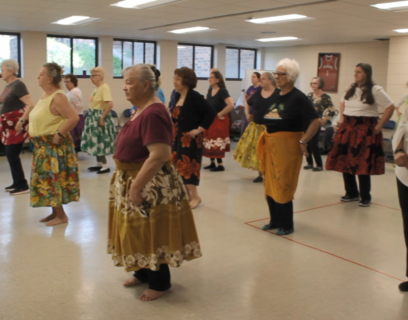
399, 150
60, 134
22, 121
301, 142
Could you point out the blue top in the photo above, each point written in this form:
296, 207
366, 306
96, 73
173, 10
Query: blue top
160, 95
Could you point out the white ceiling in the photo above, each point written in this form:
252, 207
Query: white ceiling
333, 21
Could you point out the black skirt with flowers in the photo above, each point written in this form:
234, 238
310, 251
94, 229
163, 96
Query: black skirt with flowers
187, 152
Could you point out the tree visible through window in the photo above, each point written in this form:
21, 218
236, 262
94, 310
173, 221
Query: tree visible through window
77, 55
130, 52
238, 60
196, 57
9, 46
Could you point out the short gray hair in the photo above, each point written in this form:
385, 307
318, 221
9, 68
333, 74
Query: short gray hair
292, 68
144, 73
11, 65
271, 77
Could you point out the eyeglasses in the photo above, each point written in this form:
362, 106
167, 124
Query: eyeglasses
279, 74
313, 83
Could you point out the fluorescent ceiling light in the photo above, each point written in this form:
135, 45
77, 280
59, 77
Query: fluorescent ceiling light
188, 30
395, 6
277, 39
286, 17
401, 30
71, 20
131, 3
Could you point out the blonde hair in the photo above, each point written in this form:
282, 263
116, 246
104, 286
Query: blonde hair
271, 77
98, 71
292, 68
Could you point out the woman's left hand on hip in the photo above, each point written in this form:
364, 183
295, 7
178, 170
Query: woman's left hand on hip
135, 197
56, 139
377, 129
303, 149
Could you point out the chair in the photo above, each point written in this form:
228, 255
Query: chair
115, 119
388, 132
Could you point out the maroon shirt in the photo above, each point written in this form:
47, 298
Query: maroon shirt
153, 125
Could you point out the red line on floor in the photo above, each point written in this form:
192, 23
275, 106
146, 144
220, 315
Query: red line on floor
329, 205
334, 255
380, 205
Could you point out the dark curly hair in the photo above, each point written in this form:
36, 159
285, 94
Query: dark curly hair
72, 78
188, 75
367, 95
54, 71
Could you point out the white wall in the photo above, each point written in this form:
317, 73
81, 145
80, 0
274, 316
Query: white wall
374, 53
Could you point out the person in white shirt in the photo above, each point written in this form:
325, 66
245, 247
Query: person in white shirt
358, 144
400, 148
74, 96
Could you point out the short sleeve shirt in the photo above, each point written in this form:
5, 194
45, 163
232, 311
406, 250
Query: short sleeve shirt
218, 100
260, 105
357, 108
321, 103
290, 112
100, 97
75, 99
153, 125
251, 90
10, 97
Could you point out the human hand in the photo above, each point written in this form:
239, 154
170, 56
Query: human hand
19, 127
135, 196
401, 159
377, 129
303, 149
101, 122
194, 133
56, 139
220, 117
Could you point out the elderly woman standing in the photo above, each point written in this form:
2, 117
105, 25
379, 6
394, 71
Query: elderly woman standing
246, 153
13, 129
151, 224
191, 116
54, 178
74, 96
217, 137
99, 132
280, 149
325, 109
256, 85
358, 144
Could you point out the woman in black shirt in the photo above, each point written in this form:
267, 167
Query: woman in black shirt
217, 137
280, 149
191, 115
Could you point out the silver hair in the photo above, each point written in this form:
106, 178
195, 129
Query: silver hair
144, 73
11, 65
292, 68
271, 77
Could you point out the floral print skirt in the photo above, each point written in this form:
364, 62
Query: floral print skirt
159, 231
97, 140
76, 133
246, 151
357, 149
54, 172
217, 138
8, 123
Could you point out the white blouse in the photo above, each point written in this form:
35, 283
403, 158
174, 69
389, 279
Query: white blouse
357, 108
402, 133
75, 98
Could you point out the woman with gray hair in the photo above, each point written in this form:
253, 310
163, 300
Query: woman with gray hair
281, 147
15, 105
151, 225
245, 153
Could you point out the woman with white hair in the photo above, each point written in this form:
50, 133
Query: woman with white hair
281, 147
245, 153
99, 133
15, 106
151, 225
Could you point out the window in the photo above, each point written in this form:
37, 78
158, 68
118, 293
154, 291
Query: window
77, 55
10, 47
237, 61
196, 57
126, 53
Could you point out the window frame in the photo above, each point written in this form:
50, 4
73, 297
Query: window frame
133, 55
72, 50
239, 61
199, 45
19, 75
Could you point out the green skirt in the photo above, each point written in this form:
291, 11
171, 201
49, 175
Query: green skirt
97, 140
54, 172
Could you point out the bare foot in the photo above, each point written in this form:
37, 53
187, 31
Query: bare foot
130, 282
49, 218
56, 221
150, 295
194, 203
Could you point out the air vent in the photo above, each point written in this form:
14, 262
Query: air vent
383, 39
268, 32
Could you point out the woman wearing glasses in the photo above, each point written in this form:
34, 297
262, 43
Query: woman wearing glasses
99, 132
281, 147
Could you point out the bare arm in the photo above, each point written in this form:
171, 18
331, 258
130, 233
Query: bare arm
28, 101
109, 107
401, 158
341, 112
228, 108
386, 116
310, 132
61, 107
159, 153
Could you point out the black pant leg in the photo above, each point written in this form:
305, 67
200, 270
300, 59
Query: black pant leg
159, 280
364, 182
350, 184
309, 159
274, 221
314, 147
403, 200
142, 275
13, 156
328, 135
286, 212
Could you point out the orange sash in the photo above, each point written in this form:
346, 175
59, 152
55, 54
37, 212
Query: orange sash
280, 161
